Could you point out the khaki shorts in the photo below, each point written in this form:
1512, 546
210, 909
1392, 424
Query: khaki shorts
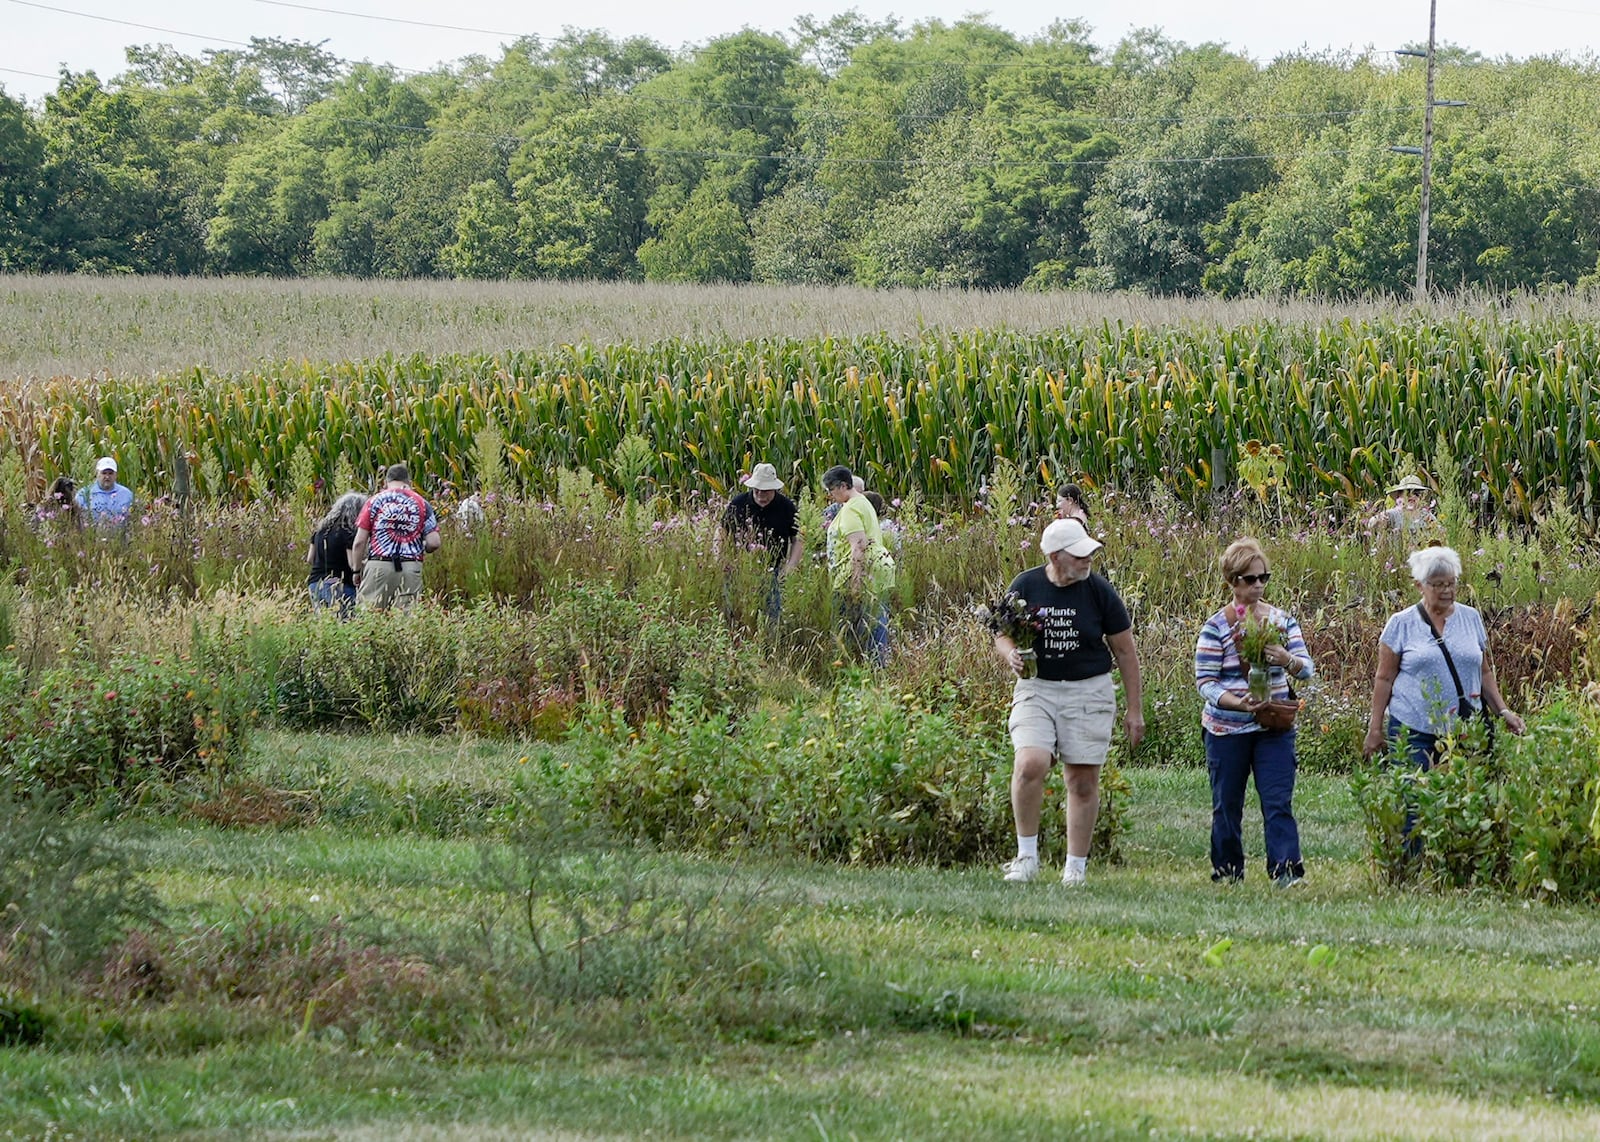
1073, 720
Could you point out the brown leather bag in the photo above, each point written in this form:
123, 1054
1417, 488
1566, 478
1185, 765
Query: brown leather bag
1278, 715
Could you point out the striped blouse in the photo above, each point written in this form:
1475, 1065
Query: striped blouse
1218, 670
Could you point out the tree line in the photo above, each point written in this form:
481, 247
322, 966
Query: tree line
936, 155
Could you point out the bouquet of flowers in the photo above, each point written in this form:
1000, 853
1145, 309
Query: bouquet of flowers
1253, 636
1011, 616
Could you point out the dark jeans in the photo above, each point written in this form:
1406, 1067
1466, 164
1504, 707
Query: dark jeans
333, 593
866, 627
1231, 760
774, 602
1422, 750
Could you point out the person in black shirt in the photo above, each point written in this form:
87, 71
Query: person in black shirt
332, 583
766, 518
1069, 709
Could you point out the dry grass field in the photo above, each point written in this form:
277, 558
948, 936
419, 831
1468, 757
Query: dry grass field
83, 326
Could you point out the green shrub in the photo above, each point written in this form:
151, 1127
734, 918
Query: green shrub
1522, 818
865, 774
494, 669
388, 671
21, 1024
140, 720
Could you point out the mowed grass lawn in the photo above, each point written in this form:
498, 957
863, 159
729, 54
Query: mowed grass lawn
1115, 1011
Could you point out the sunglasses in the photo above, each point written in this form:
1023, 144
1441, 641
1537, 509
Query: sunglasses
1252, 580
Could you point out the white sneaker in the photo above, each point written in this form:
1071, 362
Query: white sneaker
1020, 870
1072, 877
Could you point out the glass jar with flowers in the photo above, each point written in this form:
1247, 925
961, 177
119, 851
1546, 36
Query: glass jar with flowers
1010, 615
1254, 635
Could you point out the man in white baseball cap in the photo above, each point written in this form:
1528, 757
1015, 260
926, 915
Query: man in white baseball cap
766, 519
105, 502
1068, 710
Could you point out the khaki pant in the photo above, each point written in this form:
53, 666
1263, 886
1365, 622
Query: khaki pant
383, 587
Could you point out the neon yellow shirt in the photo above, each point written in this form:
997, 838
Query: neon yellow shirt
855, 515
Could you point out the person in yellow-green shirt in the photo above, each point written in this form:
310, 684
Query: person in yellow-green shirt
861, 570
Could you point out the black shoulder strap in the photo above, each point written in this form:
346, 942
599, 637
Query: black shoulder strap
1438, 640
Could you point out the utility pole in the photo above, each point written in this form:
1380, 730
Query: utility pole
1420, 292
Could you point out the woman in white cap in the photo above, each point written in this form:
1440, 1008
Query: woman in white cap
1410, 512
1068, 710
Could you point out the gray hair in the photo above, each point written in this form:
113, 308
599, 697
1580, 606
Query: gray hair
1431, 562
344, 512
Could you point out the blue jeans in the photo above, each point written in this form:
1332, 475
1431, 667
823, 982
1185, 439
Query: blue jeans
1422, 750
1231, 760
775, 599
333, 593
866, 627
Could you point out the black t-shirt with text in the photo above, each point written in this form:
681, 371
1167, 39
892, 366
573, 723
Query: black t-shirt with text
773, 527
1076, 619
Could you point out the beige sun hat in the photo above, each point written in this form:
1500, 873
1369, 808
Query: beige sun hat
763, 479
1409, 484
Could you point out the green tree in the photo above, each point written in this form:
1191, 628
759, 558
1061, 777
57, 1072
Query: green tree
23, 197
707, 241
1188, 155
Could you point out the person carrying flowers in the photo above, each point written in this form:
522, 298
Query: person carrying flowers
1243, 660
1068, 708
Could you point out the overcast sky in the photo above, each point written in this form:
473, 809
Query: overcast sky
40, 36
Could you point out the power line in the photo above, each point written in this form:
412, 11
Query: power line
34, 74
393, 19
130, 23
818, 112
1550, 7
177, 32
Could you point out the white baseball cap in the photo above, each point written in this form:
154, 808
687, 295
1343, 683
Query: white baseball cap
105, 462
1068, 535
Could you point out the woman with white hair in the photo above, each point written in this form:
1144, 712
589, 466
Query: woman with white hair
1434, 670
332, 583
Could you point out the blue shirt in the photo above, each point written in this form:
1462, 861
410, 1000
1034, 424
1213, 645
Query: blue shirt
106, 509
1424, 695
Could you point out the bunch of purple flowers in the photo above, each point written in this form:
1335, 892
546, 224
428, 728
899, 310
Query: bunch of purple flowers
1011, 616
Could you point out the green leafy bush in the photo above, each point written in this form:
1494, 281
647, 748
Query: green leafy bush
863, 775
141, 719
1522, 818
495, 669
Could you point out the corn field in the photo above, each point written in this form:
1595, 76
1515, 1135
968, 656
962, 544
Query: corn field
1123, 405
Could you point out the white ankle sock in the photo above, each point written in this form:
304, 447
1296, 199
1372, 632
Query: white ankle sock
1028, 846
1079, 863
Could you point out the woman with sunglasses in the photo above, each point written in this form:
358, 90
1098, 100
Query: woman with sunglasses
1237, 745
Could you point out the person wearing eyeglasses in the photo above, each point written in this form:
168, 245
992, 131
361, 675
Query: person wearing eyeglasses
1434, 670
1238, 745
1069, 709
861, 570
